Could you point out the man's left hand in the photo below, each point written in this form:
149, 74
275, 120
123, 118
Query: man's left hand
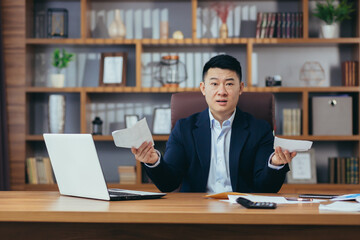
282, 157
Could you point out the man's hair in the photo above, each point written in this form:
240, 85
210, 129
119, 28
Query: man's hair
223, 61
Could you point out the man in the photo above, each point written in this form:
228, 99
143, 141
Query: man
221, 149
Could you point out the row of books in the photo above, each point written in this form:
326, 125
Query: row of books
127, 174
344, 170
39, 170
350, 75
291, 121
279, 25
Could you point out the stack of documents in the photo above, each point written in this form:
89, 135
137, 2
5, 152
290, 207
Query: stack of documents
340, 205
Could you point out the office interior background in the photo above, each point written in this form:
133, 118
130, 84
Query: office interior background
275, 41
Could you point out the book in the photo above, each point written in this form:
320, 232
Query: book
127, 174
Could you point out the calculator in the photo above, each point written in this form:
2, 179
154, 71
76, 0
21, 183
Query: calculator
250, 204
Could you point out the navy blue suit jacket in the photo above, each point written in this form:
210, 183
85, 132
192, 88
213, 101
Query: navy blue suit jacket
186, 162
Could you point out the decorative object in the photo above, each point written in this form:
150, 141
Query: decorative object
97, 126
117, 28
131, 120
60, 60
303, 168
162, 121
222, 11
56, 113
100, 30
272, 81
171, 71
312, 74
40, 24
207, 17
178, 35
57, 23
164, 29
112, 69
332, 14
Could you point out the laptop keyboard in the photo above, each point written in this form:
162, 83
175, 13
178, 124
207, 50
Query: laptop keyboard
119, 193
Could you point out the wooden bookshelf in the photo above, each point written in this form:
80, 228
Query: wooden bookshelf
20, 47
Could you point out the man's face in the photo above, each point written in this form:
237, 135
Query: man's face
221, 88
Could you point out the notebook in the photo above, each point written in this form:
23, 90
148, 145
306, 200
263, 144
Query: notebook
78, 171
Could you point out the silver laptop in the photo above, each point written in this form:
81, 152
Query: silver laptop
78, 171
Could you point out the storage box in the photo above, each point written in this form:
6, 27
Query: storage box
332, 115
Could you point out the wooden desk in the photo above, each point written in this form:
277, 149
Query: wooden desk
47, 215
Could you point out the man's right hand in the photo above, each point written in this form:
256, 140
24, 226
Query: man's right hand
145, 153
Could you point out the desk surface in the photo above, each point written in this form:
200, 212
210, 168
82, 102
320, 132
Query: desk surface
173, 208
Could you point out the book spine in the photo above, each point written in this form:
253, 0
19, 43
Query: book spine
331, 163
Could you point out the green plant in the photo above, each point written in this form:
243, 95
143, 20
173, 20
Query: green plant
330, 13
61, 59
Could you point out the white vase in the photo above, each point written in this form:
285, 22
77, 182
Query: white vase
330, 30
117, 28
56, 114
57, 80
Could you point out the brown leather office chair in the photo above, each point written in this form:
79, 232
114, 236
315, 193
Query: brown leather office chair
259, 104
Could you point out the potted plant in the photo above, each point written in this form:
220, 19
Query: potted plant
60, 60
332, 14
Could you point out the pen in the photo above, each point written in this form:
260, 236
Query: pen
298, 199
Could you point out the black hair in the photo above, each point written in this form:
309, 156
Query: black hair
223, 61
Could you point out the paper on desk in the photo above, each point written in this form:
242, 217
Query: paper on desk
133, 136
259, 198
341, 206
292, 145
352, 196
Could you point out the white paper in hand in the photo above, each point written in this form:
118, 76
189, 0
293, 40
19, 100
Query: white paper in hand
292, 145
133, 136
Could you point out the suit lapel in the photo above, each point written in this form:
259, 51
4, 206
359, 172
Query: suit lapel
202, 138
239, 135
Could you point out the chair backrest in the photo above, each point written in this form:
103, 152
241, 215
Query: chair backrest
259, 104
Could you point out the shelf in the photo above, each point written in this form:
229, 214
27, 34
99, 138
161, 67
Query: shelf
189, 41
320, 188
166, 137
53, 90
54, 187
104, 138
178, 89
323, 138
286, 188
110, 138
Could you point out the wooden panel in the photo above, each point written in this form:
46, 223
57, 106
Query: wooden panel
138, 63
305, 9
13, 29
67, 231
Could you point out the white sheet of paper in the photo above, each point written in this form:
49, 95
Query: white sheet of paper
134, 136
341, 206
259, 198
292, 145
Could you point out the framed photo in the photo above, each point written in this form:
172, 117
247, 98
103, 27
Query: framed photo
162, 121
131, 120
57, 23
112, 69
303, 168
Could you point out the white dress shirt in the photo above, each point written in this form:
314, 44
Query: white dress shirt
219, 175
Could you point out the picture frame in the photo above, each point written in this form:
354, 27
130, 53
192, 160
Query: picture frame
162, 121
57, 26
113, 69
130, 120
303, 168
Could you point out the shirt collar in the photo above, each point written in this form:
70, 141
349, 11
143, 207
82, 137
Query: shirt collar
229, 120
